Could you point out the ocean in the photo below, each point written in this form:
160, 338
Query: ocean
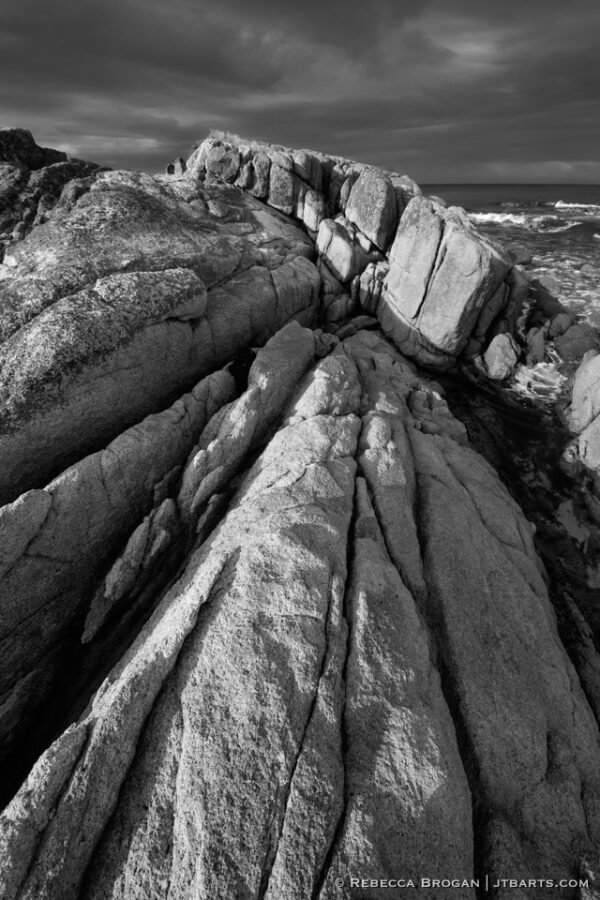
558, 223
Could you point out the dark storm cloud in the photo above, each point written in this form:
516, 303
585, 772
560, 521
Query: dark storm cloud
444, 89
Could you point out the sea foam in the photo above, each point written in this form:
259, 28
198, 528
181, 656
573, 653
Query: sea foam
548, 224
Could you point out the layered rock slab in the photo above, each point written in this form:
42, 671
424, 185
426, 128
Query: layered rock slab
57, 541
283, 714
60, 583
275, 569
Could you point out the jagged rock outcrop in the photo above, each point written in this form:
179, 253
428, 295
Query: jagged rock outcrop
439, 289
33, 180
119, 304
267, 620
58, 541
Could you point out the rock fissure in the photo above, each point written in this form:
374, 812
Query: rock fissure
479, 809
320, 881
271, 855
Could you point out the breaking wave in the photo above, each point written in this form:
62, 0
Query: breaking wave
549, 224
561, 204
542, 381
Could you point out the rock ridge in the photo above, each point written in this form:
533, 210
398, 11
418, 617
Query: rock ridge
267, 617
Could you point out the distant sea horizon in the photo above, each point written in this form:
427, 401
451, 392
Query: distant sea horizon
478, 193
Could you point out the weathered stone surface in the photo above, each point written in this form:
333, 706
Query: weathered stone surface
517, 307
292, 707
245, 422
301, 487
536, 345
223, 163
585, 396
583, 418
143, 549
501, 357
342, 254
442, 273
262, 168
59, 540
283, 184
292, 628
489, 314
405, 190
560, 323
314, 210
18, 148
372, 207
106, 318
308, 167
33, 180
520, 255
408, 796
548, 728
576, 341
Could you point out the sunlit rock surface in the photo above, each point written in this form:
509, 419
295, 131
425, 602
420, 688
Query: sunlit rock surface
267, 619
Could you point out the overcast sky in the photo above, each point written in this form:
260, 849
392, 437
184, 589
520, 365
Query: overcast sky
444, 90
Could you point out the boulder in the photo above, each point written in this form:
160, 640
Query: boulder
560, 323
520, 255
442, 274
338, 249
585, 395
308, 167
536, 345
576, 341
262, 168
517, 307
283, 184
544, 290
501, 357
372, 207
405, 190
223, 162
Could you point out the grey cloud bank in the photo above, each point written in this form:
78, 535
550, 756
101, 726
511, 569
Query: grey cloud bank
446, 91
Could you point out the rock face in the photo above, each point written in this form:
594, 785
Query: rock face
424, 270
268, 622
442, 274
116, 306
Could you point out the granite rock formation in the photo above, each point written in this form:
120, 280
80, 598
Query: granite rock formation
33, 181
268, 620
